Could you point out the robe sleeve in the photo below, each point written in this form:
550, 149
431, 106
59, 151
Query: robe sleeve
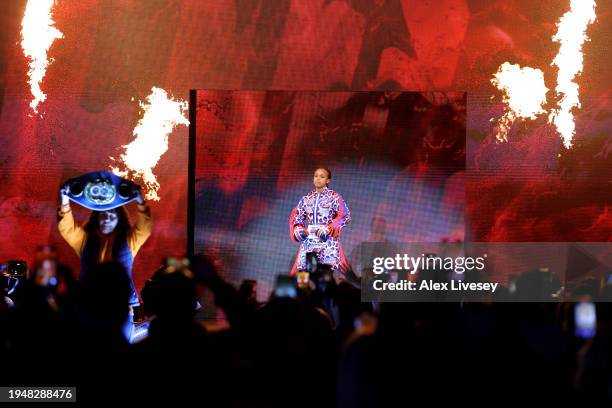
297, 218
141, 230
73, 233
342, 218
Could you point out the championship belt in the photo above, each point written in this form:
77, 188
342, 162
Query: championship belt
312, 231
319, 232
101, 190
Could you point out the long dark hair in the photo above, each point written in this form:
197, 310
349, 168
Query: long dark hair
92, 246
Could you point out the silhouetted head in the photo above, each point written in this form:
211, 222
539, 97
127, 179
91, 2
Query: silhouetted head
106, 294
175, 296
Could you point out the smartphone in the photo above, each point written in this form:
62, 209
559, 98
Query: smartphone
585, 320
311, 262
285, 287
11, 274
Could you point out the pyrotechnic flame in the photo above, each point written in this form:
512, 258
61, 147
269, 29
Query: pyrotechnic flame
38, 33
524, 90
571, 34
524, 94
161, 116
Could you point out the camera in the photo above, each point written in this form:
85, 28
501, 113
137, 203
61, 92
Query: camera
11, 274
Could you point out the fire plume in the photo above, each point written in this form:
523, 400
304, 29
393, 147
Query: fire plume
524, 95
161, 115
38, 33
571, 34
524, 92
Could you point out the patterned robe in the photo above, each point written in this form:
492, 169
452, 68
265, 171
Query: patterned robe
316, 210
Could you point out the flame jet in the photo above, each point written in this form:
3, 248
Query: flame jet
524, 95
524, 90
38, 33
161, 116
571, 34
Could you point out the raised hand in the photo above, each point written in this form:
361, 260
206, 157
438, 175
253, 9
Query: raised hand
64, 191
139, 199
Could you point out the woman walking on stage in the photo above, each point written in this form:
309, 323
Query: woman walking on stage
316, 223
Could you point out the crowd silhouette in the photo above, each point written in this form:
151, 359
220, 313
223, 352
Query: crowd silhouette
321, 347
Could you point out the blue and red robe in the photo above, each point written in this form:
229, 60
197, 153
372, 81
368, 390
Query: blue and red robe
325, 209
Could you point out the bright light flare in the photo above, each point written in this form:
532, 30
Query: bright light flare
571, 34
38, 33
524, 90
161, 116
524, 95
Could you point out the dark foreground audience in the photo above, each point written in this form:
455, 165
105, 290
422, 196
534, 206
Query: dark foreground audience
321, 347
